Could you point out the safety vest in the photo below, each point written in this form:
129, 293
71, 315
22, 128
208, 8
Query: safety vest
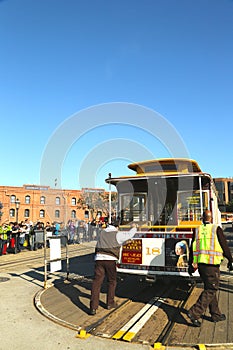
3, 232
206, 247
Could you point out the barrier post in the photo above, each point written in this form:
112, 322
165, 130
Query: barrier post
67, 260
47, 261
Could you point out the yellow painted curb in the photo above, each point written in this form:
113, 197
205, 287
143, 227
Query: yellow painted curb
201, 346
118, 335
159, 346
83, 334
129, 336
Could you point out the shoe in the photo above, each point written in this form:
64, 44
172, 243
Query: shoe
92, 312
218, 318
195, 322
112, 306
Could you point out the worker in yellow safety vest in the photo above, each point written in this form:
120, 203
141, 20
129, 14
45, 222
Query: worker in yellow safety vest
206, 247
209, 246
4, 229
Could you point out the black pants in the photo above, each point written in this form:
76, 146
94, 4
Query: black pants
210, 275
103, 267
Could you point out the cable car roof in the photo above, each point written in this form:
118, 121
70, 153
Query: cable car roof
166, 165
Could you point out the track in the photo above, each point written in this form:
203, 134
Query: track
35, 258
147, 317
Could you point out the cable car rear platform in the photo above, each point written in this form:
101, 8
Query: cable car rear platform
66, 302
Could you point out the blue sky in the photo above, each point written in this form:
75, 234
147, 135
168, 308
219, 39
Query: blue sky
59, 58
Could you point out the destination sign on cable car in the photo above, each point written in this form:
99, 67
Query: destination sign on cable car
132, 252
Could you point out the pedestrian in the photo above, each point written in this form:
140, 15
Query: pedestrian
49, 233
57, 227
72, 231
4, 232
209, 246
107, 252
16, 237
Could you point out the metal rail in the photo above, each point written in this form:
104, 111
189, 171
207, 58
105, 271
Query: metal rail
22, 260
166, 332
129, 330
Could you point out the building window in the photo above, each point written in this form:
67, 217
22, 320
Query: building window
57, 213
42, 200
12, 213
73, 214
86, 214
13, 198
26, 213
73, 201
42, 214
27, 199
58, 201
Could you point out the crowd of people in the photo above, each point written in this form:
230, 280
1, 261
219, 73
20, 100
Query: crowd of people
15, 237
83, 231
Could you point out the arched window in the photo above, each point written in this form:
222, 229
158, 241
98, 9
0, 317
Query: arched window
57, 213
27, 199
12, 213
26, 213
73, 201
13, 198
73, 214
42, 200
58, 201
42, 214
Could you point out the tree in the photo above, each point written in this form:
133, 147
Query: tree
97, 201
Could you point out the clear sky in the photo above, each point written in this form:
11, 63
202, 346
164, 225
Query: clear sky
66, 63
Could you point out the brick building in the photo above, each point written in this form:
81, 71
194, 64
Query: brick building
41, 203
224, 187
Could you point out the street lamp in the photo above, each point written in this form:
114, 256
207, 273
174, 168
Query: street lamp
110, 200
17, 205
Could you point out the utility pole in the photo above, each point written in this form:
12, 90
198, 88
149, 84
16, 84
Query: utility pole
110, 200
